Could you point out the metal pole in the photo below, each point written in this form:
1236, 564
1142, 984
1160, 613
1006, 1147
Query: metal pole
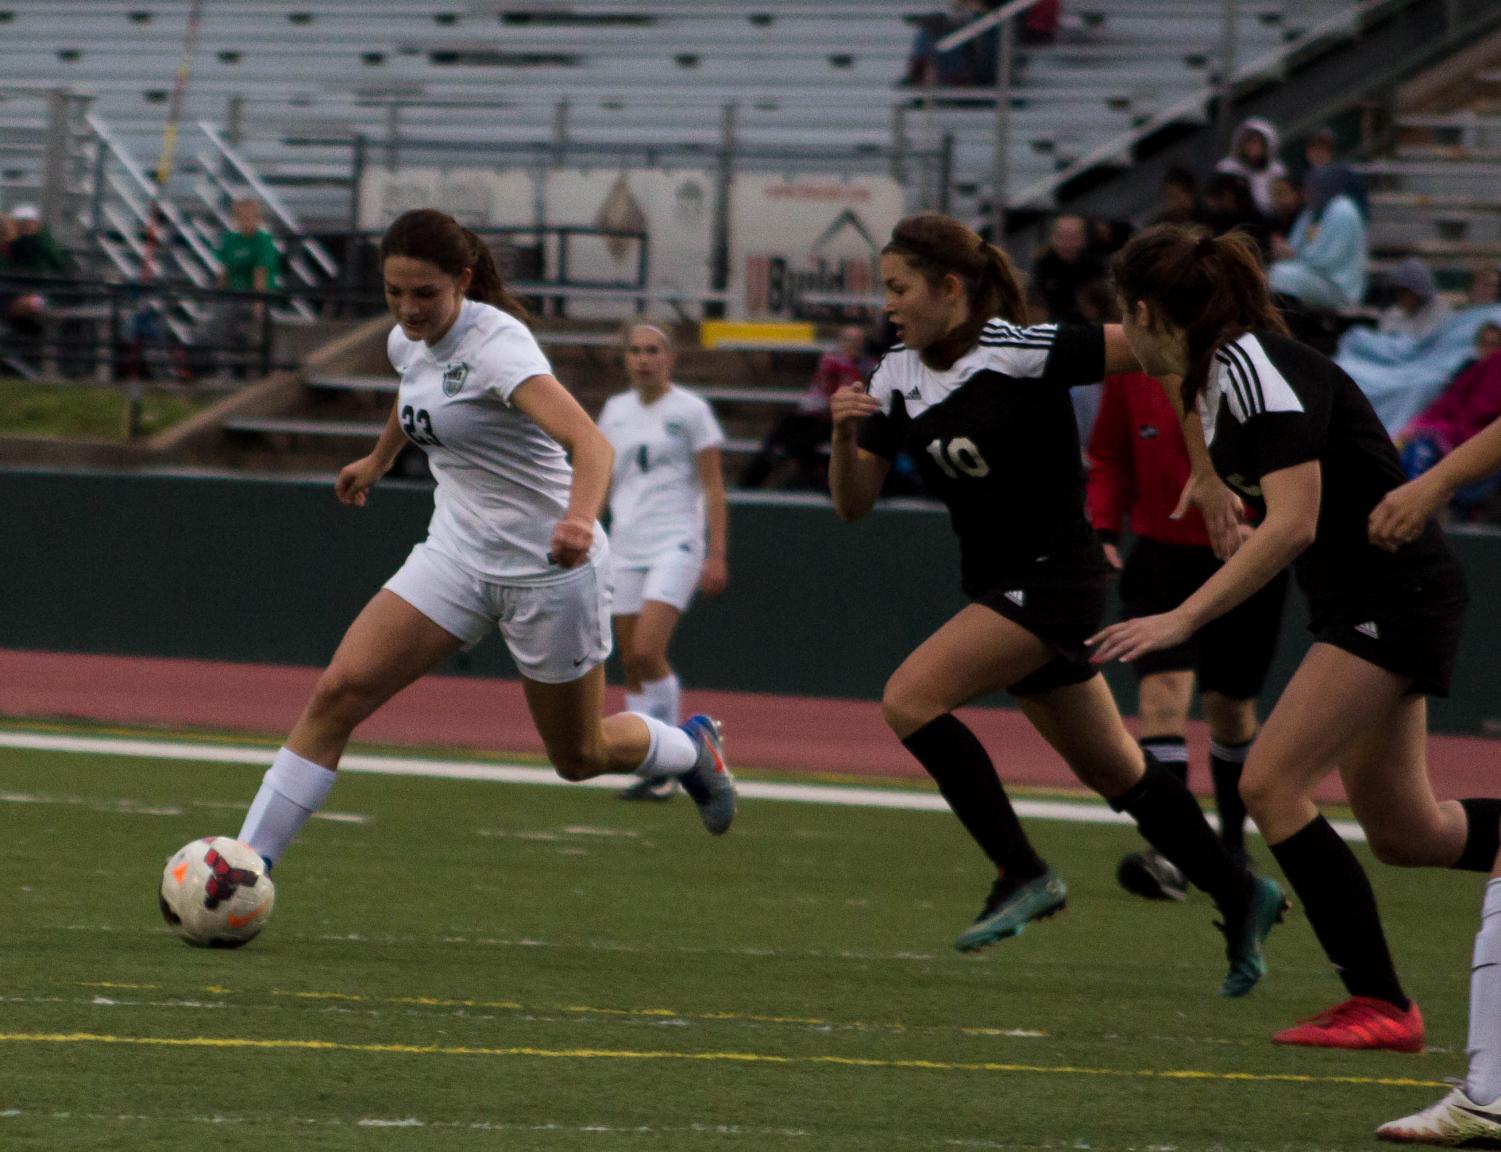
721, 264
945, 170
234, 120
393, 130
899, 144
560, 118
352, 252
1226, 86
55, 160
998, 182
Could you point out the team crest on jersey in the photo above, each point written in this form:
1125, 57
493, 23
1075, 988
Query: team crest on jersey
454, 376
675, 428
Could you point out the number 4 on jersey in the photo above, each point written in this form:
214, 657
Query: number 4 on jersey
958, 455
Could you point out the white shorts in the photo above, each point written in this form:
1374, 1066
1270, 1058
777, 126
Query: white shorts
556, 632
671, 578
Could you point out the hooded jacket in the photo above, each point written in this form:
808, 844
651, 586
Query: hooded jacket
1260, 178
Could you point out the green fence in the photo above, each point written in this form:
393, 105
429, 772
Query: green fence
271, 570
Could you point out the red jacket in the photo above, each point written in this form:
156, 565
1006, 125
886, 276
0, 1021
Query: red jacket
1139, 464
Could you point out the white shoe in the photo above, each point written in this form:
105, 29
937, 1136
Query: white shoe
1456, 1121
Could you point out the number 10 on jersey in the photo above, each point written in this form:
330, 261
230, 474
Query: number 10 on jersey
958, 455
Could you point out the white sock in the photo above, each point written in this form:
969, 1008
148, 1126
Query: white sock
671, 753
663, 698
1483, 1085
638, 702
291, 791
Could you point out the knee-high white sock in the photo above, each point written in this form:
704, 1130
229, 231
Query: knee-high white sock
291, 791
664, 698
1483, 1085
671, 752
638, 702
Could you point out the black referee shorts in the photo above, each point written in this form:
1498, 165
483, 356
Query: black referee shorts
1232, 654
1412, 630
1062, 613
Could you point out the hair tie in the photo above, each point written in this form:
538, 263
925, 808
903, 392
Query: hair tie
1205, 246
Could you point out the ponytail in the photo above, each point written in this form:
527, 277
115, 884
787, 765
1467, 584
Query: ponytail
1211, 287
437, 238
937, 246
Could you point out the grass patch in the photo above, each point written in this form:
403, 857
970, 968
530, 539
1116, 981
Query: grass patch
86, 411
459, 965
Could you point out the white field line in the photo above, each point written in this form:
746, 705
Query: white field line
851, 796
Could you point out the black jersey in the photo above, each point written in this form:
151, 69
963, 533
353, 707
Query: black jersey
994, 438
1272, 403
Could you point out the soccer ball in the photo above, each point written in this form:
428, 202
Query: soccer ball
215, 893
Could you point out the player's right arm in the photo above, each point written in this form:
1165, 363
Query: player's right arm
355, 480
855, 475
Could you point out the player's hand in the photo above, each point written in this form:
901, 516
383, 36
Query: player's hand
1132, 638
849, 405
355, 480
571, 541
1221, 508
1113, 556
1400, 517
715, 577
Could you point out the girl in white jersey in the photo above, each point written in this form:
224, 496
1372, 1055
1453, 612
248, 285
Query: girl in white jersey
667, 488
514, 542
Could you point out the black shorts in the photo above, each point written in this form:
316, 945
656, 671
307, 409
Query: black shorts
1412, 630
1232, 654
1062, 613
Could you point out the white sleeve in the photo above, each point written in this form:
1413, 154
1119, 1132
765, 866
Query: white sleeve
704, 430
396, 349
507, 358
886, 379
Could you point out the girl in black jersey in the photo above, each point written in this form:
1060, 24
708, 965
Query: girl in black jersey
1293, 435
983, 406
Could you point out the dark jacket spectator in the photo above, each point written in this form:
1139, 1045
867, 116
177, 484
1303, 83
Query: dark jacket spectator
1064, 267
972, 64
1228, 204
1253, 154
1180, 197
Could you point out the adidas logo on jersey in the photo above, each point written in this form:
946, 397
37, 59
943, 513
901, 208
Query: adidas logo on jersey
1017, 597
1369, 629
914, 393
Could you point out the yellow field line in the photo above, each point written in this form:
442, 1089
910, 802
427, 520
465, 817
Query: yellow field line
244, 1042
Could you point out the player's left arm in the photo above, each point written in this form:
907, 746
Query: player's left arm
554, 410
716, 573
1292, 514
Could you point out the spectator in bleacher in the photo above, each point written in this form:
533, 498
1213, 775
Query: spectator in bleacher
802, 435
1469, 402
1417, 310
972, 64
1228, 204
27, 249
1065, 266
1321, 151
249, 261
1287, 206
1485, 287
1039, 24
1322, 263
1253, 154
1180, 197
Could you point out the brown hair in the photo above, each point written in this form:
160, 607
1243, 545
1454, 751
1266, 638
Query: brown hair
937, 246
437, 238
1212, 287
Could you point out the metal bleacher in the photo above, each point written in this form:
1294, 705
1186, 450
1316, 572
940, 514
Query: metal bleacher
295, 82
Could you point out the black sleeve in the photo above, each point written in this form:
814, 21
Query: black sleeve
1278, 440
882, 434
1078, 355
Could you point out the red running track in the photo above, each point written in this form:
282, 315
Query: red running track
788, 733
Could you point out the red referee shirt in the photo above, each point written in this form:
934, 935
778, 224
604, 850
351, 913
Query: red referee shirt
1139, 464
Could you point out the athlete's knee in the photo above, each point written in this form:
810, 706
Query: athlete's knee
644, 663
1397, 847
1231, 721
343, 694
578, 762
1261, 791
905, 707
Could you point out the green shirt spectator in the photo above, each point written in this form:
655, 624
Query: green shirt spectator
247, 254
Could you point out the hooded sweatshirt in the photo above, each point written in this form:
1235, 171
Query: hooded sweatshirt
1271, 168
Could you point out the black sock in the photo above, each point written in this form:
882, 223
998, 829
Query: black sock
1339, 903
1225, 764
1169, 751
1483, 838
968, 781
1173, 823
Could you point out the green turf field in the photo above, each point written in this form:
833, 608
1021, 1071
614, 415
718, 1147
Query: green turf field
460, 965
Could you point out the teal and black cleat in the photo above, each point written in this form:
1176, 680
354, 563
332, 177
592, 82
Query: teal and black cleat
1011, 907
709, 782
1243, 946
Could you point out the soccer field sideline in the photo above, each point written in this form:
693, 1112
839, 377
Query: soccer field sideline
851, 795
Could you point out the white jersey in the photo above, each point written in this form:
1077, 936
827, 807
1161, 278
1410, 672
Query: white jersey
503, 483
656, 500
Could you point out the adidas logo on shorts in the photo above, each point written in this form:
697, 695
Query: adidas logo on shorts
1369, 629
1017, 597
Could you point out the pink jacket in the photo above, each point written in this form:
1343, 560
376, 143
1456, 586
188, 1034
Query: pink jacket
1470, 402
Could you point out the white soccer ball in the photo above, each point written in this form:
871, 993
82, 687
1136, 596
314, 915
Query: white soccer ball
215, 892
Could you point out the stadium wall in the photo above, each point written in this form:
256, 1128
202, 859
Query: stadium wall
273, 570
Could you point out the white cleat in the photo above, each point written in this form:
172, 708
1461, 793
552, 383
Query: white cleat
1456, 1121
